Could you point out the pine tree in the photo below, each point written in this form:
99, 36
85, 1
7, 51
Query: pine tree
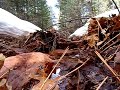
78, 9
35, 11
70, 10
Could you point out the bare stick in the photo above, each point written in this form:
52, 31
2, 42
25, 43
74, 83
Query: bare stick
99, 24
8, 70
102, 83
110, 41
75, 69
111, 56
54, 68
78, 80
102, 59
109, 46
98, 27
4, 74
64, 76
27, 40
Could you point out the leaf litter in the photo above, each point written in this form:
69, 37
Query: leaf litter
92, 61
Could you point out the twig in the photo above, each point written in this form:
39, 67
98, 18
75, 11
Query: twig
54, 68
1, 76
27, 40
109, 46
116, 6
99, 24
98, 29
111, 56
78, 80
110, 41
102, 83
4, 74
102, 59
75, 69
64, 76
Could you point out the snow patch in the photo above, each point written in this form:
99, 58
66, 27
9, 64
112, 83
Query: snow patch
12, 25
84, 29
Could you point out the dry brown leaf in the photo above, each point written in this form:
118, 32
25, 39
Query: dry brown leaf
92, 39
117, 58
3, 84
106, 37
96, 23
59, 52
8, 86
51, 84
22, 66
2, 58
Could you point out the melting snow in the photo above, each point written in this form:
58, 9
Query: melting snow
12, 25
83, 30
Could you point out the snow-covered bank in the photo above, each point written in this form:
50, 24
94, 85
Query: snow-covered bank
83, 30
12, 25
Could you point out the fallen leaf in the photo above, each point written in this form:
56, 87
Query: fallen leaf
22, 65
3, 84
117, 58
2, 58
92, 40
51, 84
59, 52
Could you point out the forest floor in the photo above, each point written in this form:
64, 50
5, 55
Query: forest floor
90, 62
